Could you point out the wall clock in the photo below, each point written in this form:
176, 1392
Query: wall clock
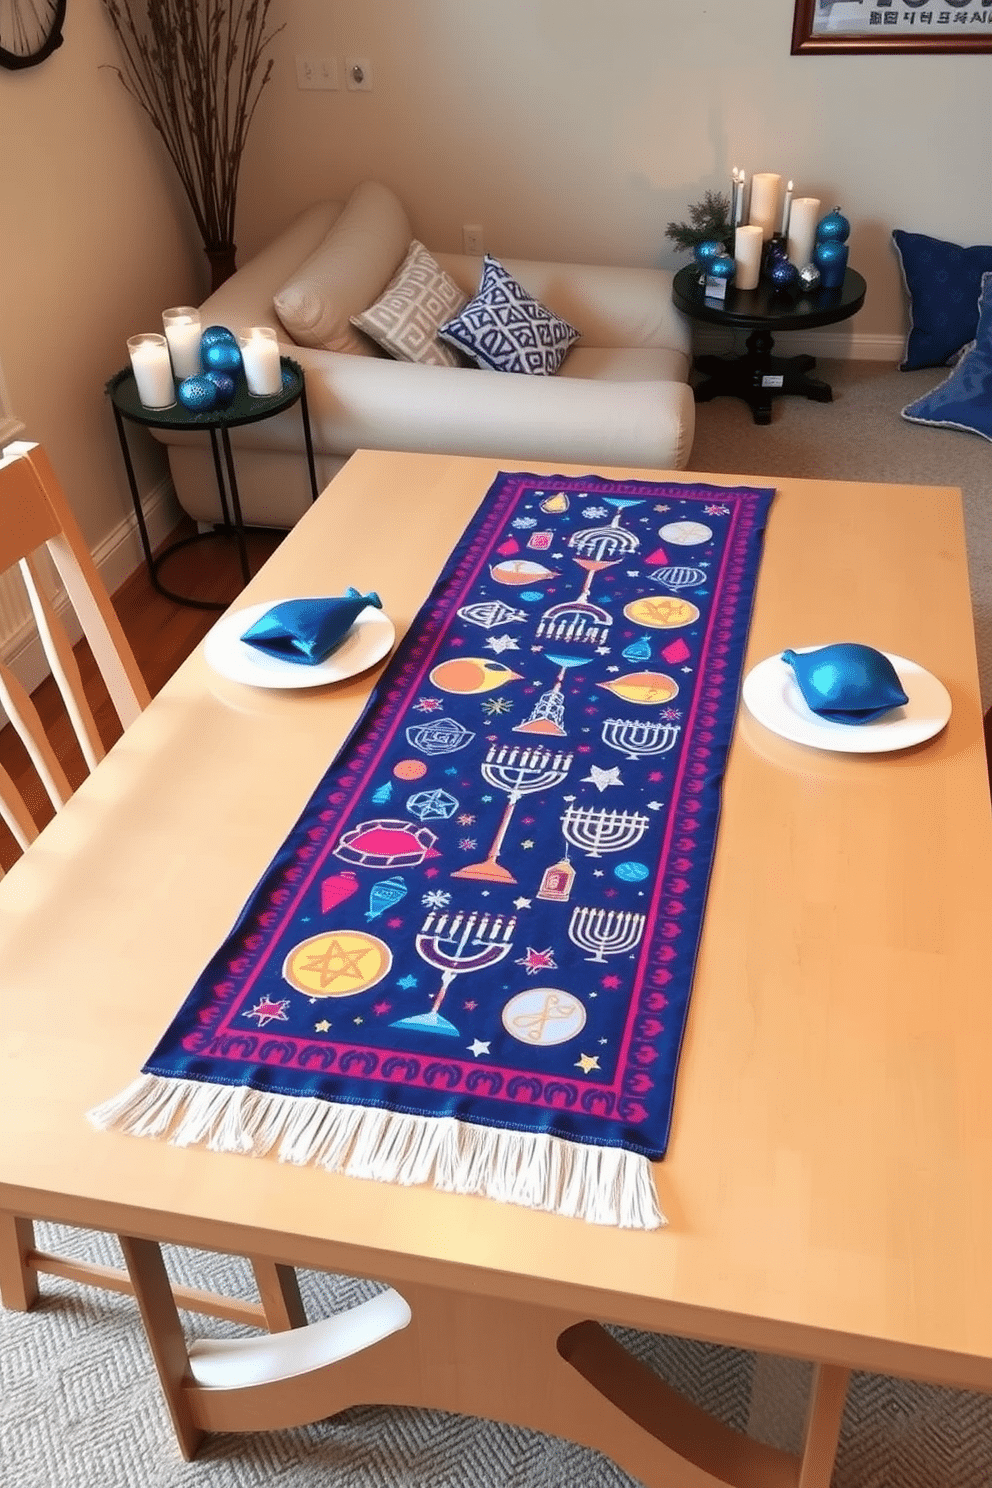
30, 30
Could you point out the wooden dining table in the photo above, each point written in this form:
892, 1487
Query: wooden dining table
827, 1183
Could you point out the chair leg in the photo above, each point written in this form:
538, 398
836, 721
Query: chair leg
279, 1294
166, 1340
18, 1282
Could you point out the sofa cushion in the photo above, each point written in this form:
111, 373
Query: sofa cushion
625, 364
346, 272
505, 329
964, 399
405, 318
943, 282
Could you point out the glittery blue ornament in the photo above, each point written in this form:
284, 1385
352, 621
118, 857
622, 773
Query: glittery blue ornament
198, 394
288, 379
830, 257
784, 276
215, 333
722, 267
222, 356
833, 228
705, 253
225, 385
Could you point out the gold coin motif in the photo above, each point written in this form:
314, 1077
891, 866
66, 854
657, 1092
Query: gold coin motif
543, 1015
661, 612
337, 963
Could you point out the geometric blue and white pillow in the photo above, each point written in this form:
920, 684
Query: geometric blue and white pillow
964, 399
505, 329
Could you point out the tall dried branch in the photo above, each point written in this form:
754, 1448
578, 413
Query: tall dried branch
196, 68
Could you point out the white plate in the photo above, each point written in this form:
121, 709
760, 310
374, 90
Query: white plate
772, 694
368, 641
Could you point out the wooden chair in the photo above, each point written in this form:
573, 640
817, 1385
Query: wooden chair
35, 516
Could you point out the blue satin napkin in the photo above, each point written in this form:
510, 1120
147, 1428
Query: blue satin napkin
308, 630
847, 683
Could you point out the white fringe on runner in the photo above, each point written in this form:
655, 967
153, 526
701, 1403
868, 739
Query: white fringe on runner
605, 1185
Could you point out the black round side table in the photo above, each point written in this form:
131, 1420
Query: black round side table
758, 377
245, 408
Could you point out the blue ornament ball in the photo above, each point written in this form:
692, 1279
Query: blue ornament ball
198, 394
225, 385
834, 228
705, 253
722, 267
784, 276
222, 356
830, 258
216, 333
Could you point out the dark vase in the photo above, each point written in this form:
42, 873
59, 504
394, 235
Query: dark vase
221, 257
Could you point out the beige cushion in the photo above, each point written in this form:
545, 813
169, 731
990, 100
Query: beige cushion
346, 272
404, 319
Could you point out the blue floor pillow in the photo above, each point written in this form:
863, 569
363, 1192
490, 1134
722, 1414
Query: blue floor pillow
964, 399
943, 283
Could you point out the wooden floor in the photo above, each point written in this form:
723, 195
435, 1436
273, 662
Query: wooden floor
162, 634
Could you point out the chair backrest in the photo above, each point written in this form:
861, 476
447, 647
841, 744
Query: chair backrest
34, 516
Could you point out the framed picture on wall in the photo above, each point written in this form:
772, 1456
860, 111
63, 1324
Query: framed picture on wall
892, 26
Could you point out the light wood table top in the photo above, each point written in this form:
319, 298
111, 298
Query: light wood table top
829, 1178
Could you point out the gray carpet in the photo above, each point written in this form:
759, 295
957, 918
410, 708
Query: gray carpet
861, 436
79, 1399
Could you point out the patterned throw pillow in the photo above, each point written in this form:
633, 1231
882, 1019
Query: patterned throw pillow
964, 399
943, 283
506, 329
405, 318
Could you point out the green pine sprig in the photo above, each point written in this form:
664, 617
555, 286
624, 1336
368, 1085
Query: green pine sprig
708, 219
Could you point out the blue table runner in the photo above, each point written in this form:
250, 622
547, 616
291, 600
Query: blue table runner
470, 962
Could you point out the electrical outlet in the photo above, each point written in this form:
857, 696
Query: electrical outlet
314, 71
472, 240
358, 74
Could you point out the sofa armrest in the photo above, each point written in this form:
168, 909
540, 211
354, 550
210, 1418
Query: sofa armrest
368, 403
610, 306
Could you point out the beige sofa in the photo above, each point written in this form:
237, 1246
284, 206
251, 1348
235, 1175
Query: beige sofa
621, 396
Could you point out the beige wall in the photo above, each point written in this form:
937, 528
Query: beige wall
94, 240
572, 128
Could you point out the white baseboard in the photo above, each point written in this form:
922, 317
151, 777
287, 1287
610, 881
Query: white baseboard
116, 558
825, 341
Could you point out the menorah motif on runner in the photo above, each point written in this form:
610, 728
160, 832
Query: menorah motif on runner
597, 831
605, 932
519, 772
613, 541
456, 944
638, 740
548, 714
579, 620
678, 576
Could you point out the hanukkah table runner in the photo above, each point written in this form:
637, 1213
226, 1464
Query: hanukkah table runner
469, 964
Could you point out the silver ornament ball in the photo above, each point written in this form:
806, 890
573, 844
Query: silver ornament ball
809, 276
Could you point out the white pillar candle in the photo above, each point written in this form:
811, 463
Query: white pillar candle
152, 370
741, 193
803, 218
764, 202
260, 354
182, 331
748, 242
